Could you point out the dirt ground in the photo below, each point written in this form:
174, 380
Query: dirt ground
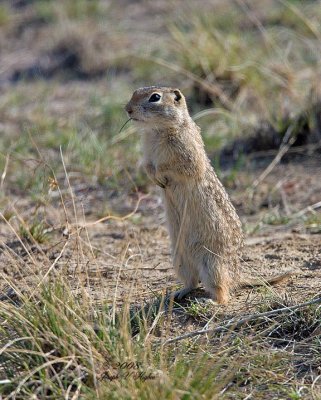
76, 205
130, 257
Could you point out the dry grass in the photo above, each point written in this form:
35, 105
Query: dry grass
82, 309
59, 341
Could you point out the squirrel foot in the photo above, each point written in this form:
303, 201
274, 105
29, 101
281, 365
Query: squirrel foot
180, 294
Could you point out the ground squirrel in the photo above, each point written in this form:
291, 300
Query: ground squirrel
205, 230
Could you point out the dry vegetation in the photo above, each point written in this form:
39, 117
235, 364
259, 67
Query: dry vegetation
84, 254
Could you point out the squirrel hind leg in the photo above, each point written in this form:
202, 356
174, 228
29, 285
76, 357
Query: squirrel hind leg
189, 276
216, 282
220, 294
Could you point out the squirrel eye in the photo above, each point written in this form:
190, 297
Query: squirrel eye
154, 98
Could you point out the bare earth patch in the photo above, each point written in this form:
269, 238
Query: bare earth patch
131, 258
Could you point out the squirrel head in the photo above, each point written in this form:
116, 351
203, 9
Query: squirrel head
157, 107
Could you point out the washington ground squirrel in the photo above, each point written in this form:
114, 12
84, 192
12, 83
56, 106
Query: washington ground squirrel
205, 230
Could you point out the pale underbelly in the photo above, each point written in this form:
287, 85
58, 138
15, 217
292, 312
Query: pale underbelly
187, 214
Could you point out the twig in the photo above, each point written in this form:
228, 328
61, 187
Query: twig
113, 217
282, 150
306, 148
18, 238
3, 176
51, 267
236, 323
303, 18
117, 283
69, 186
312, 207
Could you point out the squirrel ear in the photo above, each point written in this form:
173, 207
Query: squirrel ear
178, 95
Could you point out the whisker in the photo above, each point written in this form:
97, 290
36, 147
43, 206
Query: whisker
124, 125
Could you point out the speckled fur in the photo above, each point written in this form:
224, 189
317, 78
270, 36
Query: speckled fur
205, 230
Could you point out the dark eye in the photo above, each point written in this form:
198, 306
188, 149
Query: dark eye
154, 97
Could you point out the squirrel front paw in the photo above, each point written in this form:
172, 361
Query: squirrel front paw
158, 179
161, 181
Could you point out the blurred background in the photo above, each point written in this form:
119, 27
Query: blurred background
250, 71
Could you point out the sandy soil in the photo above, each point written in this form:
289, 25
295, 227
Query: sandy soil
130, 258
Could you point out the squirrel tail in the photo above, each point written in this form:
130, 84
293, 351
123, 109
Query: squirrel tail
275, 280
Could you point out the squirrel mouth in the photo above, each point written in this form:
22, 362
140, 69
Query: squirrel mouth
137, 120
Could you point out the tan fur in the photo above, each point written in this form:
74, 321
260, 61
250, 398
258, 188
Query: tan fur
205, 230
275, 280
